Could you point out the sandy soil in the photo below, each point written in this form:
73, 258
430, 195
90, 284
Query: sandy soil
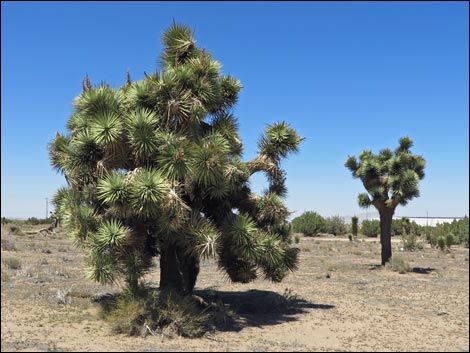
340, 300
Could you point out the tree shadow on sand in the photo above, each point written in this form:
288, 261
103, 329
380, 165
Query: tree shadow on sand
233, 311
422, 270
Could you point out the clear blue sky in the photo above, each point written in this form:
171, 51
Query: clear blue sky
347, 75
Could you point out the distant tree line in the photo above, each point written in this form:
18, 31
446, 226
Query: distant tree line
312, 224
30, 221
454, 233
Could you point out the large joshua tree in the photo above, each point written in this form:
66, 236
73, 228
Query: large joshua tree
391, 178
154, 168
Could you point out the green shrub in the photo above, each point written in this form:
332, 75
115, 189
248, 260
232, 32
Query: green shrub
397, 227
297, 238
449, 240
398, 264
335, 225
411, 242
309, 223
370, 228
462, 232
405, 226
441, 242
12, 263
458, 228
431, 238
463, 239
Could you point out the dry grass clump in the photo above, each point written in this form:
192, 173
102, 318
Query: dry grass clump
12, 263
8, 245
397, 263
14, 229
164, 312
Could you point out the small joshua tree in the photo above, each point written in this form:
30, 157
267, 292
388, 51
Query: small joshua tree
354, 229
154, 168
391, 178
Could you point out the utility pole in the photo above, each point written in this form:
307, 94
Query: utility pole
427, 218
47, 204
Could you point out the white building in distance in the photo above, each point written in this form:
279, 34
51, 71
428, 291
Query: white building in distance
428, 221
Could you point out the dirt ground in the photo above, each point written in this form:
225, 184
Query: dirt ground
340, 299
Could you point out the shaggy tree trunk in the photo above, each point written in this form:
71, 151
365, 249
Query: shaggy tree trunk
385, 234
178, 271
189, 265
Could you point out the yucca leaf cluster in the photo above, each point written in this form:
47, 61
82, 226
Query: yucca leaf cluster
391, 178
154, 169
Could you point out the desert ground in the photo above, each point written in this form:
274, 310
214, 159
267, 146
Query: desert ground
340, 299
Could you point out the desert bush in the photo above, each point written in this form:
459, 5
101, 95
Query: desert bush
449, 240
157, 311
462, 232
370, 228
12, 263
411, 242
398, 264
431, 238
181, 314
14, 229
405, 226
8, 245
128, 316
396, 228
463, 239
309, 223
458, 228
441, 242
221, 316
335, 225
5, 220
297, 238
415, 228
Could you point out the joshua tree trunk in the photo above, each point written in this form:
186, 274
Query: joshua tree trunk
178, 271
385, 234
